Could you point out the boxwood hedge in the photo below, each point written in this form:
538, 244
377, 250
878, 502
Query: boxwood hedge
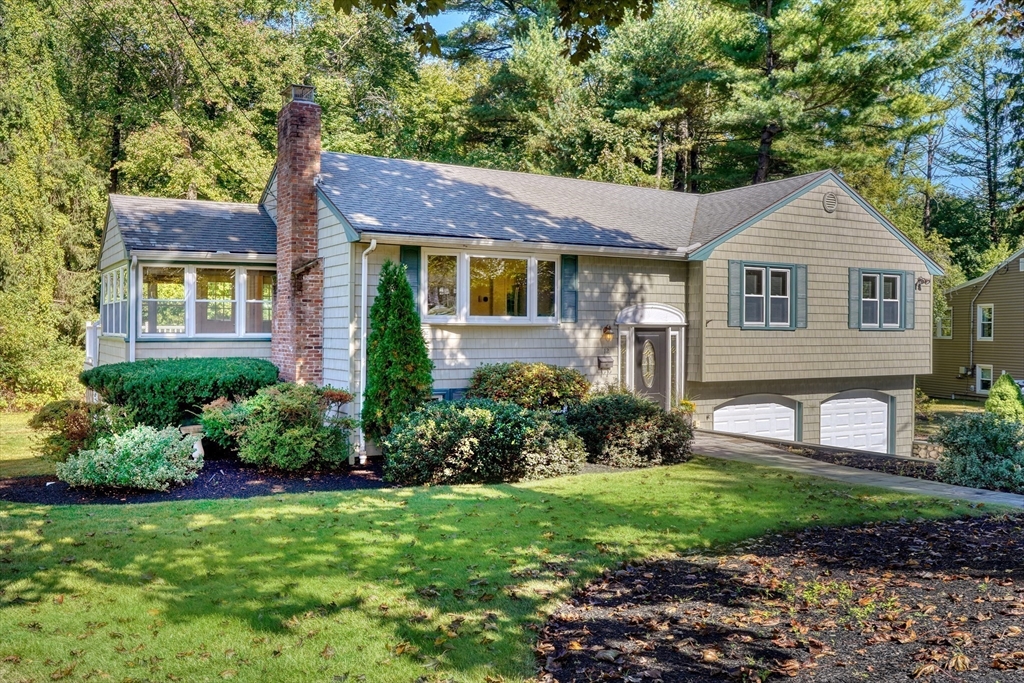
159, 393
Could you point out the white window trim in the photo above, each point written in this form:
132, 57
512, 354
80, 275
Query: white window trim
991, 379
898, 300
992, 322
462, 317
877, 277
763, 296
241, 273
114, 283
769, 296
938, 325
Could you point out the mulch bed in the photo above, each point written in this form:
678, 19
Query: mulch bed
890, 464
226, 478
940, 601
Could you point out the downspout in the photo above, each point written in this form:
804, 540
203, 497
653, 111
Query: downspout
133, 298
363, 321
974, 331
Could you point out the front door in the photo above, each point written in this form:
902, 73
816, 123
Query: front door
650, 367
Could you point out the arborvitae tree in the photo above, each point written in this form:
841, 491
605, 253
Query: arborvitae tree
1005, 399
398, 370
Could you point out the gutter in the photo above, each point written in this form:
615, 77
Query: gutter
179, 256
363, 317
680, 254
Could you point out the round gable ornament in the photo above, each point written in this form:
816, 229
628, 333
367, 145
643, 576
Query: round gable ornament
830, 201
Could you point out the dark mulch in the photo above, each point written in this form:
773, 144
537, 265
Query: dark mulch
940, 601
227, 478
890, 464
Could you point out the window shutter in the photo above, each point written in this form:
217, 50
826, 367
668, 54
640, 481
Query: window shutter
735, 293
410, 258
909, 287
854, 312
801, 296
570, 288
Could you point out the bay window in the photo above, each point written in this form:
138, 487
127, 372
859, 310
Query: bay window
199, 301
484, 288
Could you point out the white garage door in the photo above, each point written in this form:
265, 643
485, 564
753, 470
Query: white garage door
771, 420
861, 423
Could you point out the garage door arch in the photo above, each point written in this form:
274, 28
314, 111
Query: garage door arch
767, 415
860, 419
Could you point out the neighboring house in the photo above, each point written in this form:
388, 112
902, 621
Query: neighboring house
789, 309
979, 337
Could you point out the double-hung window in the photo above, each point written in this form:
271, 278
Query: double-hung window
984, 379
767, 297
944, 325
114, 302
467, 287
881, 300
986, 322
199, 301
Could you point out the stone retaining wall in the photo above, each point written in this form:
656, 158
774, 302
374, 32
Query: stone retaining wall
924, 449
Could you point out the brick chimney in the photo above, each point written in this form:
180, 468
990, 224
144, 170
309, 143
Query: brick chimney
298, 328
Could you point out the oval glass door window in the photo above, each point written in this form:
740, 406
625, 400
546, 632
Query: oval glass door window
647, 364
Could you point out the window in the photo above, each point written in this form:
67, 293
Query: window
776, 306
114, 302
986, 322
163, 301
200, 301
259, 301
881, 300
215, 301
984, 379
944, 325
477, 288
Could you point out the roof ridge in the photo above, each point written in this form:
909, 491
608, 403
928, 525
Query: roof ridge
808, 176
520, 173
179, 199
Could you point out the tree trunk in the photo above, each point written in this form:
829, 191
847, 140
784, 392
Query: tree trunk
764, 152
932, 143
661, 151
679, 170
694, 168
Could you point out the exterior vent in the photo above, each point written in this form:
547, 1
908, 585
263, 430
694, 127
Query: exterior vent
830, 202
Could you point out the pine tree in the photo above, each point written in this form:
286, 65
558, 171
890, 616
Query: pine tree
1005, 399
398, 370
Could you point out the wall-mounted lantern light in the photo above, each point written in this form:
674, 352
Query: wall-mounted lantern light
606, 333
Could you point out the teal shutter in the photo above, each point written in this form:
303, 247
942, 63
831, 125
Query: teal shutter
909, 287
855, 285
801, 296
735, 293
410, 258
570, 288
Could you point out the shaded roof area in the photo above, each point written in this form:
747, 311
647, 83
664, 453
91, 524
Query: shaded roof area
418, 198
159, 224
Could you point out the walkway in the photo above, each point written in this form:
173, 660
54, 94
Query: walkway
745, 450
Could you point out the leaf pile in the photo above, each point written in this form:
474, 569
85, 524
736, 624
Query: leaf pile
896, 601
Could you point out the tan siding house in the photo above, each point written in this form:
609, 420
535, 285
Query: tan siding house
789, 309
983, 335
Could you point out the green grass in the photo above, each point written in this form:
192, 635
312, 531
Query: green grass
393, 585
942, 409
16, 456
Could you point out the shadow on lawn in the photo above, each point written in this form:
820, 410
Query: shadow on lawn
456, 573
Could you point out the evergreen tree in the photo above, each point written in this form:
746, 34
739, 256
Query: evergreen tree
1005, 399
398, 370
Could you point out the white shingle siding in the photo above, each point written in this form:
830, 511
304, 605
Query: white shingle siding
112, 250
336, 253
228, 348
270, 200
111, 350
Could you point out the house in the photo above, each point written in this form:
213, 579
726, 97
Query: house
979, 336
790, 309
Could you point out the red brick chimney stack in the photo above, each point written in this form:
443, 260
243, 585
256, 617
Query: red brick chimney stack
298, 329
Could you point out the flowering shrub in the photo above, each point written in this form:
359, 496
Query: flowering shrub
479, 442
69, 426
982, 450
142, 458
621, 429
531, 385
285, 426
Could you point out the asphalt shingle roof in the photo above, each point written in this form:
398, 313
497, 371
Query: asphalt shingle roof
418, 198
155, 223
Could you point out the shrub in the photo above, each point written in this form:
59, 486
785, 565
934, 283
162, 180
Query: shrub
1005, 400
69, 426
531, 385
621, 429
291, 427
982, 450
924, 405
221, 420
479, 441
169, 392
398, 369
142, 458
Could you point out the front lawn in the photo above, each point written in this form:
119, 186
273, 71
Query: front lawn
942, 409
386, 585
17, 458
